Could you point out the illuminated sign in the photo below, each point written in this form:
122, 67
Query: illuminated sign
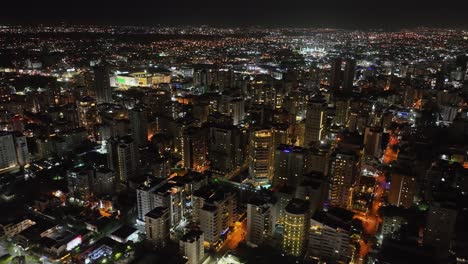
403, 114
74, 242
126, 81
121, 80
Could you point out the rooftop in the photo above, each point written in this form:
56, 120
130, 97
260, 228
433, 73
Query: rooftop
297, 206
157, 212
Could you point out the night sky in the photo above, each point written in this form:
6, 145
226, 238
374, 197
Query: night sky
326, 13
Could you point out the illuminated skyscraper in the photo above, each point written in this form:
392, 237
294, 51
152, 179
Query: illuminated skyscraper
261, 219
236, 109
260, 163
104, 182
343, 172
138, 125
87, 112
315, 121
166, 194
402, 190
329, 244
296, 227
317, 160
393, 218
191, 246
342, 79
225, 150
170, 195
22, 151
122, 158
373, 142
102, 84
145, 200
216, 211
342, 108
80, 181
194, 148
157, 225
279, 134
289, 165
8, 160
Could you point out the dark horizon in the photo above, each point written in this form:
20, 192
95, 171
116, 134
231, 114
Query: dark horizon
366, 15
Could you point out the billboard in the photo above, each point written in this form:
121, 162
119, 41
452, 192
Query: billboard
124, 81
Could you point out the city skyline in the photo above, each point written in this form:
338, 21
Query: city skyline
227, 133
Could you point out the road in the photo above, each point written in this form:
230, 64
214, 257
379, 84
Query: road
235, 237
390, 154
230, 244
14, 251
371, 220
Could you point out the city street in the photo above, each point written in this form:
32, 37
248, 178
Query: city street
235, 237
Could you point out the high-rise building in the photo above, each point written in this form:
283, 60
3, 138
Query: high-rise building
87, 112
342, 79
330, 245
122, 158
402, 190
157, 225
115, 127
164, 193
317, 160
343, 173
283, 196
191, 246
215, 210
138, 125
201, 111
44, 147
373, 142
80, 182
289, 165
279, 134
349, 73
266, 94
160, 167
393, 218
261, 218
22, 151
296, 227
260, 163
440, 229
194, 149
236, 109
342, 110
104, 182
102, 84
171, 195
225, 149
315, 121
8, 159
158, 102
312, 189
336, 74
145, 199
